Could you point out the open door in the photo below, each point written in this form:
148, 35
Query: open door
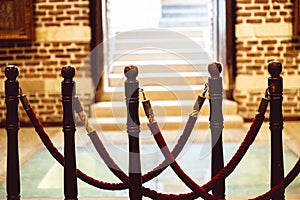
111, 17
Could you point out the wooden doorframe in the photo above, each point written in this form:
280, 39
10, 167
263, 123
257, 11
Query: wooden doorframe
231, 46
224, 36
97, 37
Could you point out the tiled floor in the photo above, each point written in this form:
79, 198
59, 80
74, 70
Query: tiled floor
42, 176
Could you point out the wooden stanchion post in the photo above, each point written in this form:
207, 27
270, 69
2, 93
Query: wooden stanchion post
68, 93
215, 86
133, 130
12, 128
276, 125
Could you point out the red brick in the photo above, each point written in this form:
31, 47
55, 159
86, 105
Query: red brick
49, 76
82, 6
273, 13
23, 57
73, 12
254, 21
252, 8
62, 56
264, 42
55, 1
82, 18
32, 75
260, 14
288, 19
273, 20
56, 50
66, 43
46, 7
283, 13
52, 62
24, 44
2, 58
15, 51
243, 1
63, 18
62, 7
71, 23
30, 50
270, 54
32, 63
261, 1
40, 13
43, 51
42, 57
56, 12
73, 50
244, 14
279, 1
47, 19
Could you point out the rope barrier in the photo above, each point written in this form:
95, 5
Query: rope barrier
283, 184
229, 168
59, 157
162, 166
278, 185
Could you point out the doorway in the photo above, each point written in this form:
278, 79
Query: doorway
203, 21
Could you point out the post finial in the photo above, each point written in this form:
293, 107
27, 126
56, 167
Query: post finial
215, 69
275, 68
131, 72
11, 72
68, 72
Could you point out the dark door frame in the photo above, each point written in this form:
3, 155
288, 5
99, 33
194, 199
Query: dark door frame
97, 37
231, 46
224, 36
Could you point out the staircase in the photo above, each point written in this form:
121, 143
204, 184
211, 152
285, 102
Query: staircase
172, 66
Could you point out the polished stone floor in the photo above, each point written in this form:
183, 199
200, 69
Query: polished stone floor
42, 177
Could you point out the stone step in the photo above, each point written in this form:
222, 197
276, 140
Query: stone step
151, 55
184, 5
166, 44
185, 13
184, 22
163, 79
161, 33
161, 108
162, 67
158, 92
165, 123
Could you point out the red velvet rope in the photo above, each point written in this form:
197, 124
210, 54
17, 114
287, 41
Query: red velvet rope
60, 158
155, 195
175, 152
157, 170
99, 184
229, 168
174, 165
283, 184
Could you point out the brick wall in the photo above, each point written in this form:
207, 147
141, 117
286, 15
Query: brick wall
62, 36
264, 33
